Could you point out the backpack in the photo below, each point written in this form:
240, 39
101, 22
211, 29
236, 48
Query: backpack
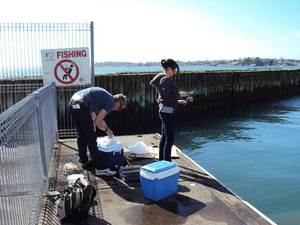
74, 203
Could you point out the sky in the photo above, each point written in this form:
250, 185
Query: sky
188, 30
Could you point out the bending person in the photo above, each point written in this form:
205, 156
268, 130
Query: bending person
88, 107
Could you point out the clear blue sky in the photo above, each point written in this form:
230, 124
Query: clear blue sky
276, 23
268, 19
148, 30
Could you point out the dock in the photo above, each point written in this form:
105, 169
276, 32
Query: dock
33, 115
201, 198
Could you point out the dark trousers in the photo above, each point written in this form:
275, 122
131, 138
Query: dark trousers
86, 133
167, 136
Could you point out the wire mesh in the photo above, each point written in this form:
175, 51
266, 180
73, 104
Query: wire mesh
21, 45
14, 92
23, 176
20, 60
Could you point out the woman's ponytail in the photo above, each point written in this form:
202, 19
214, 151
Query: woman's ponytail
177, 68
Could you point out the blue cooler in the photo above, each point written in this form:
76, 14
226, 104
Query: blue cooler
159, 180
109, 154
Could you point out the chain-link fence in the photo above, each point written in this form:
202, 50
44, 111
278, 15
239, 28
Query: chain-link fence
20, 60
21, 45
27, 133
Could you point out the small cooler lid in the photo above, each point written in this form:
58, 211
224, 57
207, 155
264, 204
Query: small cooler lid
159, 166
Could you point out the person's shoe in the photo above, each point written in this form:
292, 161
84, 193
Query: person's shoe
82, 159
87, 166
105, 172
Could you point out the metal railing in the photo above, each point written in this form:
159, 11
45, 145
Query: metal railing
21, 45
20, 59
14, 92
27, 133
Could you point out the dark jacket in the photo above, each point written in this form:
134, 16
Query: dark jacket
167, 93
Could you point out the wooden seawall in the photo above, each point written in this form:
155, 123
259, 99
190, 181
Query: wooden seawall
213, 90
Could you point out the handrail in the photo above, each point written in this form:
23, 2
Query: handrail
28, 131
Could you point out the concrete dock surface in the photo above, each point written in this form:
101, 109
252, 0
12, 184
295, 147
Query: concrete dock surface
201, 199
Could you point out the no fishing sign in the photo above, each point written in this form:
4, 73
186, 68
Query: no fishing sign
66, 67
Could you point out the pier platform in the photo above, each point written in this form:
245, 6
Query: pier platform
201, 198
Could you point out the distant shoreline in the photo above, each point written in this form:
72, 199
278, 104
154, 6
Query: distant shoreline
131, 68
251, 62
118, 69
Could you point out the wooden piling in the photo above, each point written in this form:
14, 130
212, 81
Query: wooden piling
213, 90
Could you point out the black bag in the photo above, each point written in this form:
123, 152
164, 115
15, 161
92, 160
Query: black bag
74, 203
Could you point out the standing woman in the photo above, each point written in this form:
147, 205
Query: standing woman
168, 100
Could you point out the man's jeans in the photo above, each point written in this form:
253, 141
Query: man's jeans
86, 133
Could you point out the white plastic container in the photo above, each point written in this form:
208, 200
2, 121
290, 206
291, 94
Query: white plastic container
140, 148
73, 178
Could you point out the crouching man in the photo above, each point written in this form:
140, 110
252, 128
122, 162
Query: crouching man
89, 107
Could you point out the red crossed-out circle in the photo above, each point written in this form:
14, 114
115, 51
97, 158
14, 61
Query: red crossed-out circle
60, 65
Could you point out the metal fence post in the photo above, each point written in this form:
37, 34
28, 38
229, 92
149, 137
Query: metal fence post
92, 53
41, 139
56, 115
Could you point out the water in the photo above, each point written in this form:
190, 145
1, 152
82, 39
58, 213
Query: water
255, 151
28, 72
122, 69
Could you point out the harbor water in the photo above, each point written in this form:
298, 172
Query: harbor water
254, 150
129, 69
